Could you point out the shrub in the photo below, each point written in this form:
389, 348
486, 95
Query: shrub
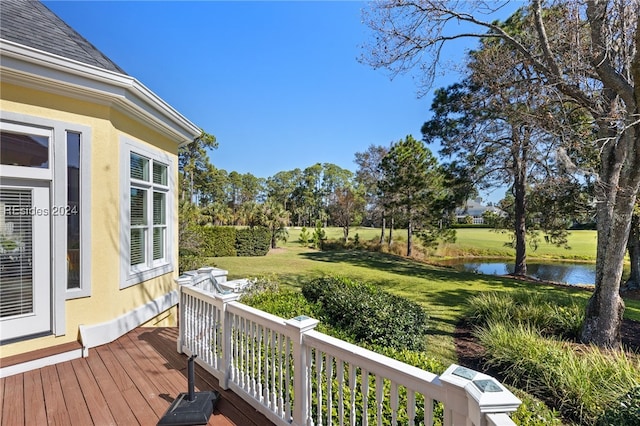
285, 304
625, 412
190, 262
253, 241
533, 412
369, 314
304, 237
219, 241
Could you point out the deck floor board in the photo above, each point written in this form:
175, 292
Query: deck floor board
130, 381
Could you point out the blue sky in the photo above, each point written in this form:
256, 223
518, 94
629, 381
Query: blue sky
277, 83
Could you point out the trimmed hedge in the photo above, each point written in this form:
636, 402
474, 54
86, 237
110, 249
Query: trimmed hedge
253, 241
368, 313
219, 241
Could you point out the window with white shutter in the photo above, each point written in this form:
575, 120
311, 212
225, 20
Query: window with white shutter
147, 226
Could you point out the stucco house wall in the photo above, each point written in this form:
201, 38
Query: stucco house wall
116, 117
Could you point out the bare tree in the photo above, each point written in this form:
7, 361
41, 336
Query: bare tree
584, 50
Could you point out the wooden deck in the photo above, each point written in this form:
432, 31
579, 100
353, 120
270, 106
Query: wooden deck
127, 382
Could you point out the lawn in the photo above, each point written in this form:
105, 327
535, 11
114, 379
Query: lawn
478, 242
442, 291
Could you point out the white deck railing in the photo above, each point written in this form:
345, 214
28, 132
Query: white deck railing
296, 375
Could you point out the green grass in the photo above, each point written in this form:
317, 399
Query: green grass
477, 242
483, 242
442, 291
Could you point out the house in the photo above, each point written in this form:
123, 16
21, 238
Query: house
475, 209
88, 206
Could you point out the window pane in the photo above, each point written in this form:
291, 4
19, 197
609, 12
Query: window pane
159, 208
138, 207
24, 150
158, 242
73, 210
137, 246
159, 174
139, 167
16, 249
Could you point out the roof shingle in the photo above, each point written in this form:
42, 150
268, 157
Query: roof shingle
32, 24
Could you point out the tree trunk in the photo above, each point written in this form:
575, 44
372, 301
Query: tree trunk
345, 232
384, 223
605, 307
520, 153
391, 232
633, 246
409, 236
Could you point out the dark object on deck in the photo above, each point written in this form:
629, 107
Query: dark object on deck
190, 408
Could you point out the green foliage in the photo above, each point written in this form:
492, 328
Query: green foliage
190, 262
369, 314
533, 412
284, 303
253, 241
304, 237
318, 235
581, 384
219, 241
549, 314
625, 412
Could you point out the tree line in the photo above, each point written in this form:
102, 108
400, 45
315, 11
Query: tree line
547, 106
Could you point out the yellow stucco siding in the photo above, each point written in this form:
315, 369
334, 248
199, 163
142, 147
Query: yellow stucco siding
107, 300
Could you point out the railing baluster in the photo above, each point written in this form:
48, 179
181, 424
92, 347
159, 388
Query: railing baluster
352, 387
379, 398
319, 366
329, 370
394, 403
428, 411
340, 373
289, 379
364, 383
411, 407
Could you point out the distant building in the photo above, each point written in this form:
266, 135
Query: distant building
475, 209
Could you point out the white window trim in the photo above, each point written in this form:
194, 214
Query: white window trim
56, 174
131, 276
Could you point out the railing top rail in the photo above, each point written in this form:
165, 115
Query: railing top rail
268, 320
407, 375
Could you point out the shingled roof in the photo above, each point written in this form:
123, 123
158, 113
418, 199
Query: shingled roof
32, 24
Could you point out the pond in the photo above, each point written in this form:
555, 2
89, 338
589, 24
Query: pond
561, 272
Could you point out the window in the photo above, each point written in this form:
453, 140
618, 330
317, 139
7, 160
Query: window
147, 223
72, 211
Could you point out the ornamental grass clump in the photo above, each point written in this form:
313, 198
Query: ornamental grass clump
523, 332
551, 314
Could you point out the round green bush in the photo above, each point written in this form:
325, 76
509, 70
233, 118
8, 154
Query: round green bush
369, 314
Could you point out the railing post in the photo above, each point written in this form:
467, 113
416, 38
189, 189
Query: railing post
182, 280
470, 396
225, 329
301, 382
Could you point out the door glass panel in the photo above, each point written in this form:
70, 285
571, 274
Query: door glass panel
72, 210
17, 149
16, 243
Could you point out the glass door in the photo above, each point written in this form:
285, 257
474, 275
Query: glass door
25, 268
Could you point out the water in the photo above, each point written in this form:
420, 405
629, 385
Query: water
562, 272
